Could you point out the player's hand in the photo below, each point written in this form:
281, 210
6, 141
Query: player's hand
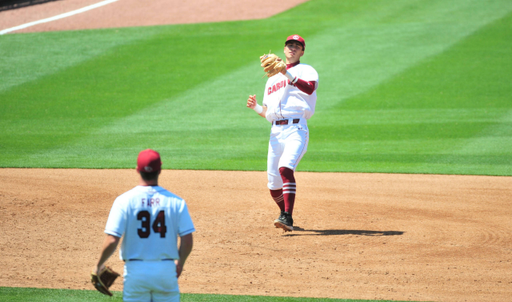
179, 268
97, 269
283, 71
251, 101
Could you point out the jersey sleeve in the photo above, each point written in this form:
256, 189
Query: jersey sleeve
185, 226
306, 87
309, 75
116, 223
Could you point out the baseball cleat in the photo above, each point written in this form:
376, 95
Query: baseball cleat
285, 222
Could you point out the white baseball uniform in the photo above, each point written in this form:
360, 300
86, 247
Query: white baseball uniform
150, 218
284, 101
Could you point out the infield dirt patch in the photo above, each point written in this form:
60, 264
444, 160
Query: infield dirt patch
367, 236
358, 236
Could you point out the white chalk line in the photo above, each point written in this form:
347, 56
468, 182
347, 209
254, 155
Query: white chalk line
71, 13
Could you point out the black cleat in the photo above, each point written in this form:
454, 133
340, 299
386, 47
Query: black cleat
285, 222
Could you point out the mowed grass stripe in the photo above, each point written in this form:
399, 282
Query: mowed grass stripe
27, 57
371, 56
449, 114
172, 127
100, 91
176, 121
384, 40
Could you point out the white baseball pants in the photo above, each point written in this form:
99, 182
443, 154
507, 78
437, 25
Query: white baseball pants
287, 146
150, 281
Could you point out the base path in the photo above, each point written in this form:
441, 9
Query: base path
358, 236
123, 13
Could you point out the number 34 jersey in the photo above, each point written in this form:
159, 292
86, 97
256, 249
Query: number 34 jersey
150, 218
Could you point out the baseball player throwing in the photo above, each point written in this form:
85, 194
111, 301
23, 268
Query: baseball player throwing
289, 101
150, 218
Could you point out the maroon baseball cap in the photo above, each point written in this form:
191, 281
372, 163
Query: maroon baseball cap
149, 161
298, 39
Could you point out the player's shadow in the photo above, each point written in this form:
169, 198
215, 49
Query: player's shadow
298, 232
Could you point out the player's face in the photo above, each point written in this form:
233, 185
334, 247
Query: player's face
293, 51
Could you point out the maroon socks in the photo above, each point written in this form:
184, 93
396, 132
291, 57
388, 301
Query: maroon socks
277, 195
289, 189
285, 197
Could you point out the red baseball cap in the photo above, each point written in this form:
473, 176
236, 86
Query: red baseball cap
149, 161
298, 39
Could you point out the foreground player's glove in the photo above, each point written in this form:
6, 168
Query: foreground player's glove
272, 64
104, 280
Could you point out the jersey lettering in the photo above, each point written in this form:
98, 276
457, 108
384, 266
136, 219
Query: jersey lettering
144, 217
276, 87
158, 225
150, 202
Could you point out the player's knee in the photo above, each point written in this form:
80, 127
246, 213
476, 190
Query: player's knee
275, 184
276, 193
287, 174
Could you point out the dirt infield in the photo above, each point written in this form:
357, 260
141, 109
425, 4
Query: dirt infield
369, 236
358, 236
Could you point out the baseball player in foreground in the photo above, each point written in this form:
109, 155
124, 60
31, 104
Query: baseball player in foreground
288, 102
150, 218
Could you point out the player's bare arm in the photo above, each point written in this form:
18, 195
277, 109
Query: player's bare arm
110, 244
253, 104
186, 243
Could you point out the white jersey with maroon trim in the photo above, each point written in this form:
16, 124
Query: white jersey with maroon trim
150, 219
284, 101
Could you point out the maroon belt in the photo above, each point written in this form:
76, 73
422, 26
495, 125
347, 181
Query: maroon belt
285, 122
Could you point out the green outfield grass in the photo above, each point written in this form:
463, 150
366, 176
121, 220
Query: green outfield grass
405, 87
63, 295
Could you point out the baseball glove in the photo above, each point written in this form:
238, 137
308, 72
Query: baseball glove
272, 64
104, 280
